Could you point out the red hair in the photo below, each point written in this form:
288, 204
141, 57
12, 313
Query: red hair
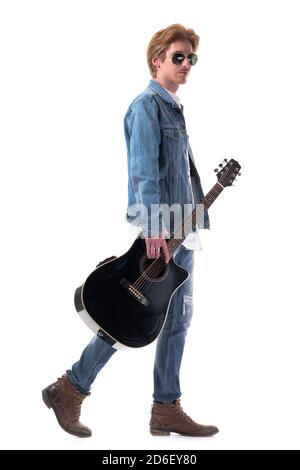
161, 41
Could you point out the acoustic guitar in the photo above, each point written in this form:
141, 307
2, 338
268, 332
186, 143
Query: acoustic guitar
125, 300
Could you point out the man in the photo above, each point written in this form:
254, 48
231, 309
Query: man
161, 171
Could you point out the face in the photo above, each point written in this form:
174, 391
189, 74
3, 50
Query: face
171, 75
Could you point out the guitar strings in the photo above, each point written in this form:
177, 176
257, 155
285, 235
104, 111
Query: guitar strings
143, 281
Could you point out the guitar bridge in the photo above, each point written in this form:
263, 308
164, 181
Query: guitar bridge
134, 292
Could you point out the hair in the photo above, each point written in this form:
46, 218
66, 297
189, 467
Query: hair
161, 41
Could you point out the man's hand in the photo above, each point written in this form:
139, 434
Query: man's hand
154, 245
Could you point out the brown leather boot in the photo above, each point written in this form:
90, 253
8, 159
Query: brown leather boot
66, 402
170, 417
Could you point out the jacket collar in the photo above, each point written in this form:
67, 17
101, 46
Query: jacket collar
163, 93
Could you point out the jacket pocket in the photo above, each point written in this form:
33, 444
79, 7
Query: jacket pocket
174, 132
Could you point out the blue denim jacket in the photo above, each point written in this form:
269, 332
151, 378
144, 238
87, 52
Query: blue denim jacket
158, 172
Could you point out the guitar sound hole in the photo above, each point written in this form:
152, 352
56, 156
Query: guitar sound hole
153, 269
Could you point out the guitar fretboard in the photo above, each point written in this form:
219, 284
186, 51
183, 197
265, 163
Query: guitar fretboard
180, 235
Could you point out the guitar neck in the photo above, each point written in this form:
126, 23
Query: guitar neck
180, 235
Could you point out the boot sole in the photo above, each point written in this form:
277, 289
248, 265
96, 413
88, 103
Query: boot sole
160, 432
49, 405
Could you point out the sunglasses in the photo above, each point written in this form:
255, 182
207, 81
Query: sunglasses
179, 57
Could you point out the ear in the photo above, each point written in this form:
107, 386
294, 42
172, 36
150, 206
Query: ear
156, 61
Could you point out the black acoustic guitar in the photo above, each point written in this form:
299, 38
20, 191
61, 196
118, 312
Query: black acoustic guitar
125, 300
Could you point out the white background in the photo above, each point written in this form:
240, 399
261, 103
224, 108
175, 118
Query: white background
69, 70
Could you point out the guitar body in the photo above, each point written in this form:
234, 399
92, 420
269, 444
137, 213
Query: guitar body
122, 310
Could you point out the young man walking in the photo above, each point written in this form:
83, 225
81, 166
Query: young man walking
161, 171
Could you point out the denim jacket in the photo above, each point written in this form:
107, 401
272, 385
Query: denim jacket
157, 145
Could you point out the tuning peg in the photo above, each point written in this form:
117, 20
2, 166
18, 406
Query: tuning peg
239, 174
220, 165
216, 170
225, 160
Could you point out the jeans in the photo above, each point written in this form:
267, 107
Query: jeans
169, 346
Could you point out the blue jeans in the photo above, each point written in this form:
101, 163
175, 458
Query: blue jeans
169, 347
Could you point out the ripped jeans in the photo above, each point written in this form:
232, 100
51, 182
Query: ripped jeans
169, 346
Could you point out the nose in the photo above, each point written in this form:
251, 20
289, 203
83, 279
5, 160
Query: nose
186, 63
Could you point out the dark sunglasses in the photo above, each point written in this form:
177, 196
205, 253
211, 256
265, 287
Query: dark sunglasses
178, 58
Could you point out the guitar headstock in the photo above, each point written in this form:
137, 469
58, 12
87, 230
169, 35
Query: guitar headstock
227, 172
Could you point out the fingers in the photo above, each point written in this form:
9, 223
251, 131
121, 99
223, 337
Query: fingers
148, 247
165, 251
153, 248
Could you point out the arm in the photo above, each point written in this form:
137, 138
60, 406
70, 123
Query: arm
145, 141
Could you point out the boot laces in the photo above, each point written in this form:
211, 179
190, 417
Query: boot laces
76, 406
181, 413
75, 403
